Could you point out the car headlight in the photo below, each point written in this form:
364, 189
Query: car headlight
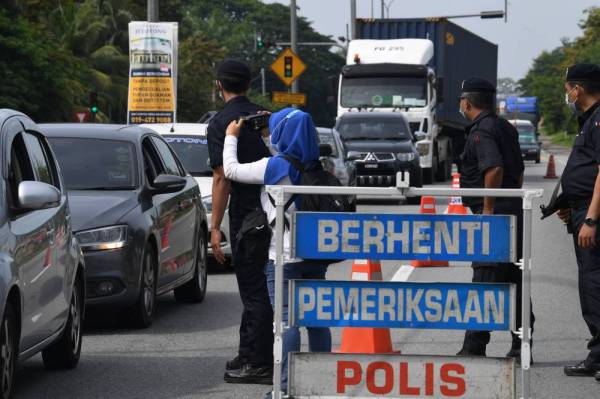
405, 156
104, 238
207, 201
423, 148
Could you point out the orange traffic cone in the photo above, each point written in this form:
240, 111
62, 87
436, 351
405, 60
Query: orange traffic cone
427, 207
455, 206
551, 169
366, 339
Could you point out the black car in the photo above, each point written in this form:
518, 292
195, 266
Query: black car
137, 214
380, 144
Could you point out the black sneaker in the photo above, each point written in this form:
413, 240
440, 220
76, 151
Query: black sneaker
235, 363
582, 369
249, 374
466, 352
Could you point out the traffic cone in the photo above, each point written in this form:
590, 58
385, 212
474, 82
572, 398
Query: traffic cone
366, 339
455, 206
427, 207
551, 169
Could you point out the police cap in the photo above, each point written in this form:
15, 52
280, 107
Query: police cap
477, 85
233, 69
583, 73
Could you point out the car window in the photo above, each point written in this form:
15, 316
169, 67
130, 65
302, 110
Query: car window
96, 164
39, 160
327, 138
20, 168
169, 162
152, 164
373, 128
193, 153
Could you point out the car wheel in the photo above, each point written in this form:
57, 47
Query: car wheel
142, 312
8, 351
538, 159
194, 290
64, 353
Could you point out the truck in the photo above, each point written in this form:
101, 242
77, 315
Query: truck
416, 67
523, 108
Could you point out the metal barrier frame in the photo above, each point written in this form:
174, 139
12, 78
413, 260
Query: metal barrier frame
402, 191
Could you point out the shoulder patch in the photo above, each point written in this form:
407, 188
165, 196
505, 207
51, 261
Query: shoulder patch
476, 138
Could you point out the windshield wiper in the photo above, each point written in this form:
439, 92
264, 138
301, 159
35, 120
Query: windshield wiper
199, 174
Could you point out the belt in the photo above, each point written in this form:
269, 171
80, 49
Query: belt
579, 203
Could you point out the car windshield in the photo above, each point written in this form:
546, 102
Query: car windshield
384, 92
373, 129
193, 152
96, 164
525, 129
327, 138
527, 138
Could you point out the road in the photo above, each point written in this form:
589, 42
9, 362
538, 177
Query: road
183, 354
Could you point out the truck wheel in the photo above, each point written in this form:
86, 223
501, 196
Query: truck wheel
64, 353
442, 171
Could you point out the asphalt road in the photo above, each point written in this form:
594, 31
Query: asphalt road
183, 354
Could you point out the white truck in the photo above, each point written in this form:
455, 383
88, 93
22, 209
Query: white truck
393, 75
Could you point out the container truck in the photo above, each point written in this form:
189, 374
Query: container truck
416, 67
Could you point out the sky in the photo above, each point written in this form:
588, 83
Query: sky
533, 25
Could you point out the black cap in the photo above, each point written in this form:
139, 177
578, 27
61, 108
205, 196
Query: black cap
233, 69
477, 85
583, 73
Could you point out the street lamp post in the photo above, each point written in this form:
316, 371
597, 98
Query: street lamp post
152, 10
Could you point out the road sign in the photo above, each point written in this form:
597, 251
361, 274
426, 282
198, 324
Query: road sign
481, 238
82, 116
328, 375
449, 306
288, 66
283, 97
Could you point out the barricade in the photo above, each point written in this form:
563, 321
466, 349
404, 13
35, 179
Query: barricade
427, 207
458, 306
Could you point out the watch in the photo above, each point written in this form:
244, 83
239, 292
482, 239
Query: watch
591, 222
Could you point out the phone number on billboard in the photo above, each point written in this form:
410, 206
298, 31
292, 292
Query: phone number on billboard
151, 119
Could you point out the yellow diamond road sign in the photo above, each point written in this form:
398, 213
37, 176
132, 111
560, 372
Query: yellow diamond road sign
288, 66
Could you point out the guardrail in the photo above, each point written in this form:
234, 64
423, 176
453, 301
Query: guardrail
402, 191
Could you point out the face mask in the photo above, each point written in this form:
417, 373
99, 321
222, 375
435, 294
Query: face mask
571, 104
462, 112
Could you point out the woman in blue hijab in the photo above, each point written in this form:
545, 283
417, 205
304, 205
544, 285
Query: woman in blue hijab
293, 134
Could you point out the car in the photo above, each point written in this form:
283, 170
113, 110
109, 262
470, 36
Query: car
42, 284
336, 162
380, 144
137, 214
531, 148
188, 140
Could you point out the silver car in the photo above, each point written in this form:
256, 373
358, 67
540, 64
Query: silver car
42, 284
336, 163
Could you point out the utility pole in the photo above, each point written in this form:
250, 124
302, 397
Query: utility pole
353, 19
294, 37
263, 84
152, 10
382, 9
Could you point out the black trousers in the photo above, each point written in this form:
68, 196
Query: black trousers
256, 326
476, 341
588, 264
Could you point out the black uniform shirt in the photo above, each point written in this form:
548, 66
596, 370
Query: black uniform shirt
251, 148
491, 142
579, 176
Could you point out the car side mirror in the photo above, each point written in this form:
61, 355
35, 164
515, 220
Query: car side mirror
164, 184
35, 195
325, 150
420, 135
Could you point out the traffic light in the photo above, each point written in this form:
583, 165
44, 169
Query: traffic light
287, 62
260, 44
93, 102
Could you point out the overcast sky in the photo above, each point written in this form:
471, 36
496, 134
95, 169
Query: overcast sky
533, 25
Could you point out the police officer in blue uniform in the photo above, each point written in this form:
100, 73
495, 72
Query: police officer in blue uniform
491, 159
254, 362
581, 186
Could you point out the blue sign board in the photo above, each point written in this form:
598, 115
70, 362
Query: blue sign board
475, 238
451, 306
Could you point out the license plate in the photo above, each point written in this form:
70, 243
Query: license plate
371, 166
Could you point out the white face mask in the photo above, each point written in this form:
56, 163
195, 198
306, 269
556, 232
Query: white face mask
571, 104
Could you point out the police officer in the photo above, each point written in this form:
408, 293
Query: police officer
254, 362
581, 186
491, 159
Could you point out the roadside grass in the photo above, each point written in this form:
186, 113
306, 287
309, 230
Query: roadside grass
561, 139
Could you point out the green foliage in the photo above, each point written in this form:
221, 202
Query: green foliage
56, 51
546, 78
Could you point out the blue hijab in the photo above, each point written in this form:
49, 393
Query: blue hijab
293, 134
